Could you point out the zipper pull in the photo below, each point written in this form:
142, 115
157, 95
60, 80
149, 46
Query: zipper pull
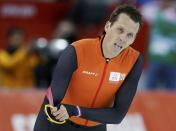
107, 60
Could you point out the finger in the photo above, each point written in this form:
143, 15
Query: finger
58, 112
63, 119
54, 109
62, 116
62, 107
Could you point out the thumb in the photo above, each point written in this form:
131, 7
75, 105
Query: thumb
54, 109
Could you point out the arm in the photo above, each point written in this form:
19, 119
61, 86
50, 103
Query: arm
65, 67
123, 99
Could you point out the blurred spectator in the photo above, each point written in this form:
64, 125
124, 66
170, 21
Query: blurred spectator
64, 34
162, 48
41, 71
89, 12
66, 30
17, 61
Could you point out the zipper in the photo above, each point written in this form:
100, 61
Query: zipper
100, 85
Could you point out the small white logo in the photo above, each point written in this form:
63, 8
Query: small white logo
116, 76
90, 73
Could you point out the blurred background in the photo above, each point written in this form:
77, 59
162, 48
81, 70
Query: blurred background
33, 34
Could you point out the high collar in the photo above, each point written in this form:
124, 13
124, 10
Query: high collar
101, 38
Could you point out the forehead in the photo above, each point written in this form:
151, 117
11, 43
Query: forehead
126, 22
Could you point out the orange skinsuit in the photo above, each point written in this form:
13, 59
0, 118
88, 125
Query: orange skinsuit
93, 85
17, 69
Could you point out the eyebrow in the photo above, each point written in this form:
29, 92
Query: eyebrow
121, 26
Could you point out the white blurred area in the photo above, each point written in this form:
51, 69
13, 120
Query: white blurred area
132, 122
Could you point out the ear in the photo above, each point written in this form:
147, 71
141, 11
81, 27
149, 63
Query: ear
107, 26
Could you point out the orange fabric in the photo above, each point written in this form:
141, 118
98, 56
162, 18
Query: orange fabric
84, 89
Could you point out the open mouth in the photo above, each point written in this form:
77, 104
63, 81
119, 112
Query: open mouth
117, 46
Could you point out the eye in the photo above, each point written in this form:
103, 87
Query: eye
120, 30
130, 35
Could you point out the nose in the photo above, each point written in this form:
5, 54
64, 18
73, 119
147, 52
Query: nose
122, 38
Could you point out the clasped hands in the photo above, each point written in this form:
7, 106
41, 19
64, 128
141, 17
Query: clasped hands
60, 114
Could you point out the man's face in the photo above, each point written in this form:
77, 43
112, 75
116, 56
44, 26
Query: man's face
120, 34
15, 40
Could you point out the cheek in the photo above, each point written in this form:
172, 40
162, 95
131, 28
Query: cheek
115, 34
112, 34
130, 41
110, 46
110, 37
127, 42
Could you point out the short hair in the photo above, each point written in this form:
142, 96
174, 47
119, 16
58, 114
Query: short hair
131, 11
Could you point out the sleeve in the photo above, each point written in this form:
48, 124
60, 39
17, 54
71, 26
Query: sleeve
123, 100
66, 65
64, 69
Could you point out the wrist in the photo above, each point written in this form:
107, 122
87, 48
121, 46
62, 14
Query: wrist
78, 111
73, 110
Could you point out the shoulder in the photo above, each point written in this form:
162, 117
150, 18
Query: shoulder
84, 42
132, 50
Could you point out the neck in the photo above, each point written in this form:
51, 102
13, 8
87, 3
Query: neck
108, 54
